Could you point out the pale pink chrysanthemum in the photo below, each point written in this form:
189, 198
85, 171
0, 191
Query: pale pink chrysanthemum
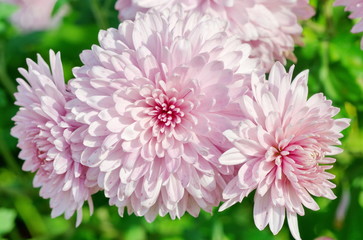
43, 132
33, 15
281, 148
154, 99
356, 9
270, 26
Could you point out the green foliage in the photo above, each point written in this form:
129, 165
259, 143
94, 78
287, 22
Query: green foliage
331, 53
8, 218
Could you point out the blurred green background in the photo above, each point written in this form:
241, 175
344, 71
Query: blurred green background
335, 61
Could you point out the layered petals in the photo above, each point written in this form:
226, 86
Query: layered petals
270, 26
153, 101
281, 148
43, 130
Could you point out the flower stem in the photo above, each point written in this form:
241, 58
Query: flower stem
5, 80
99, 14
7, 155
30, 215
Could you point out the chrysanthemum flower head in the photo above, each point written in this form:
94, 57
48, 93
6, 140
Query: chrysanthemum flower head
356, 9
270, 26
281, 148
154, 99
43, 132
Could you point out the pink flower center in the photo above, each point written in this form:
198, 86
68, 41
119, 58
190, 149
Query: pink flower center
167, 112
278, 155
306, 157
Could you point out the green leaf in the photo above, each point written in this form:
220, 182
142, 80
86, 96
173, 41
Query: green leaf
360, 199
135, 233
6, 10
7, 217
58, 5
3, 99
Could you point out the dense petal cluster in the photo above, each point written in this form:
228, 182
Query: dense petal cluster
171, 112
281, 148
356, 9
35, 14
153, 100
43, 132
270, 26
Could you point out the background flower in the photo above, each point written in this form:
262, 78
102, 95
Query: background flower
43, 133
356, 9
270, 27
36, 14
154, 99
281, 149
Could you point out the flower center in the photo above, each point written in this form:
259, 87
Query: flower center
278, 155
167, 112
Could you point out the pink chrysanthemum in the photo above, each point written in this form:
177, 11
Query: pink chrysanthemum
281, 148
154, 99
356, 9
270, 26
35, 14
43, 132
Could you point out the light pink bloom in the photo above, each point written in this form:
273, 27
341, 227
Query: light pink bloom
356, 9
43, 133
270, 26
154, 100
36, 14
281, 148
